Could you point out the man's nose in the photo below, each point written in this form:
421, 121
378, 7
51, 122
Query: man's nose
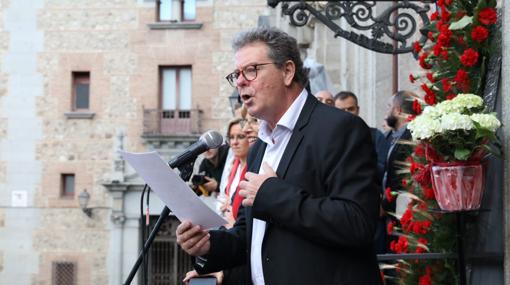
241, 81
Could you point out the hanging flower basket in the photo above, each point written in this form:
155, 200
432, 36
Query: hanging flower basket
458, 186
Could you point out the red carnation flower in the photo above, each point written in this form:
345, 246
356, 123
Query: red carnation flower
412, 78
419, 150
462, 80
402, 244
388, 194
430, 96
425, 280
430, 35
389, 227
445, 35
434, 16
423, 63
416, 46
406, 219
439, 25
479, 34
445, 15
423, 176
421, 241
437, 49
469, 57
430, 77
430, 99
446, 85
429, 193
416, 107
487, 16
444, 54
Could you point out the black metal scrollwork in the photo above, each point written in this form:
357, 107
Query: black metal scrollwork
391, 31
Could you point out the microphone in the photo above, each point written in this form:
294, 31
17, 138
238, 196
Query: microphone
208, 140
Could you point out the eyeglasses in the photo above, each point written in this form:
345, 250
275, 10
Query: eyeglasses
236, 137
250, 121
249, 73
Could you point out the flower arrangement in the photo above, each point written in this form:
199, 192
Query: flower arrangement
454, 62
452, 121
456, 129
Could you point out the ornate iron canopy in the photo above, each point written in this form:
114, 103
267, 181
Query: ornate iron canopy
392, 30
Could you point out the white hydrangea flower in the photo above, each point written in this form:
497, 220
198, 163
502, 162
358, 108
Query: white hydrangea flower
431, 112
424, 127
487, 121
456, 121
449, 106
468, 101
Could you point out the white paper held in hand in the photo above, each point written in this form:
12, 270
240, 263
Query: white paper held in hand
172, 190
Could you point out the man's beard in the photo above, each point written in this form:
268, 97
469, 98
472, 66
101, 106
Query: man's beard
392, 121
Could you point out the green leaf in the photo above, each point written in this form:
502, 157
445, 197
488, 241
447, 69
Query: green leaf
462, 154
460, 24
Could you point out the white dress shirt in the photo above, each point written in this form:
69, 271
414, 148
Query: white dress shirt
277, 140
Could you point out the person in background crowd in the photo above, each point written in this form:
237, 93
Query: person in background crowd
250, 127
212, 167
309, 210
400, 108
347, 101
238, 142
324, 96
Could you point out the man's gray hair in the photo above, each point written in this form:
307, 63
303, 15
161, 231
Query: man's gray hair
281, 48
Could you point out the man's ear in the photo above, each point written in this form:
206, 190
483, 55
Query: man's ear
289, 69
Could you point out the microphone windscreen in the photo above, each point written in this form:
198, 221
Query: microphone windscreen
213, 139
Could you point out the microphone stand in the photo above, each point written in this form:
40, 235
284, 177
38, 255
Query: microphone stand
185, 173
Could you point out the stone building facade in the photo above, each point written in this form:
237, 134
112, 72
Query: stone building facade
122, 47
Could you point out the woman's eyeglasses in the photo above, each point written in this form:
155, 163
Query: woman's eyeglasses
236, 137
250, 121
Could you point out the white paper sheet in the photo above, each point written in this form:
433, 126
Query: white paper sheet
172, 190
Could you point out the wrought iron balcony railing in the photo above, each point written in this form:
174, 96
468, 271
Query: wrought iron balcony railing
170, 122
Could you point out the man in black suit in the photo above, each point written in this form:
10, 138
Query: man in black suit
313, 220
400, 108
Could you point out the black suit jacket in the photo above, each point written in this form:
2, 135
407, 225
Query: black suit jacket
398, 152
320, 211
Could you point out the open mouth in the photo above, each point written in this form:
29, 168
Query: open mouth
252, 139
245, 97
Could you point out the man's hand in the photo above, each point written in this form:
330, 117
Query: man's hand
193, 239
251, 184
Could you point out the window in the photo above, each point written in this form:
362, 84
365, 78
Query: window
81, 91
63, 273
176, 92
167, 261
67, 185
176, 10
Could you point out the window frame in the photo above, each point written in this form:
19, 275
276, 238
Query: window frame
80, 77
56, 272
182, 6
63, 186
177, 90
